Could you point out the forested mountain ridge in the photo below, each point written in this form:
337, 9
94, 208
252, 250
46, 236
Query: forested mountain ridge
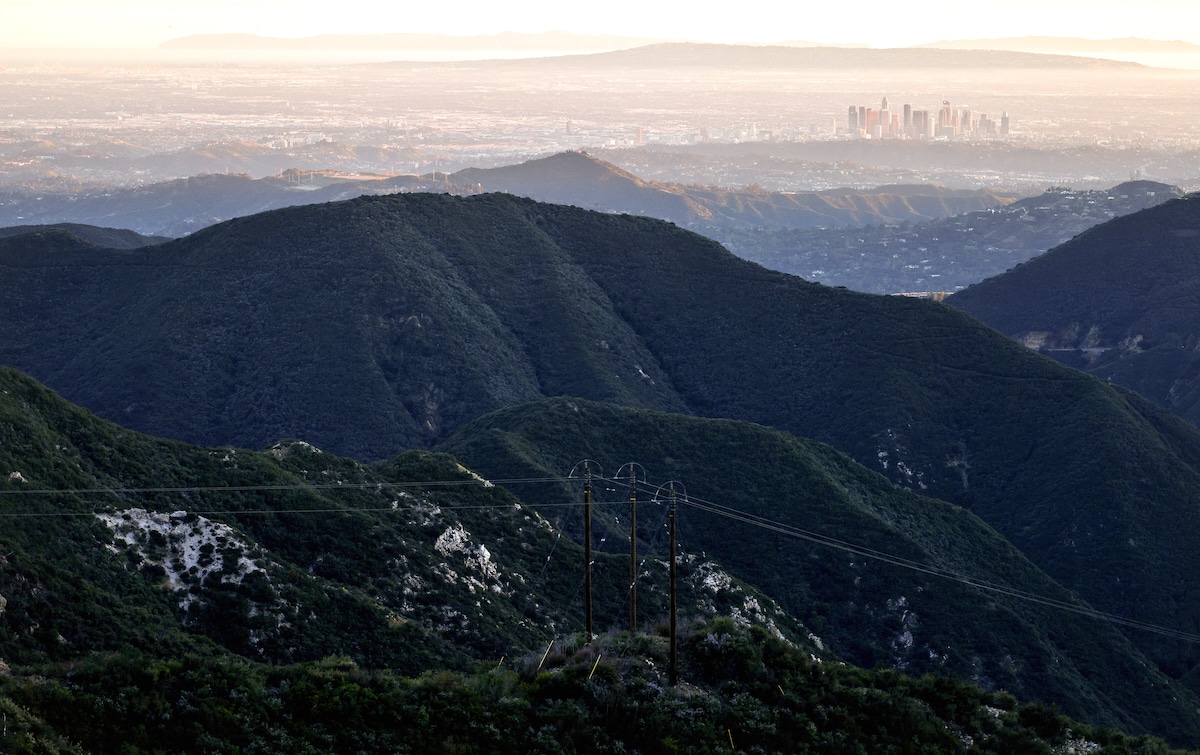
384, 323
147, 573
858, 560
1121, 302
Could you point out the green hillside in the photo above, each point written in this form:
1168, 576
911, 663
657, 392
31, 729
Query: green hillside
115, 539
379, 324
162, 596
870, 612
1121, 302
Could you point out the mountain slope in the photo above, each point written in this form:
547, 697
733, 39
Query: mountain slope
383, 323
120, 547
869, 612
118, 540
1121, 301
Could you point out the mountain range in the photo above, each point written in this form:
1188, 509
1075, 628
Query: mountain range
665, 55
905, 238
175, 208
384, 323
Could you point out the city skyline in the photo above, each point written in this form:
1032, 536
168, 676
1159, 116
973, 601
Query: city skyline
99, 24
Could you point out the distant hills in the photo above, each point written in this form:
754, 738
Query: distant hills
565, 42
583, 180
781, 57
1068, 45
904, 238
179, 207
175, 208
384, 323
113, 238
944, 254
621, 51
1120, 301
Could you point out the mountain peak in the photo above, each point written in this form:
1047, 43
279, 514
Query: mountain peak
572, 166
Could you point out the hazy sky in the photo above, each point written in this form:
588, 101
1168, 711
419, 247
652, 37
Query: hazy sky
882, 23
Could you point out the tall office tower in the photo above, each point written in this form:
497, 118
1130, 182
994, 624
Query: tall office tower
920, 124
884, 105
1004, 124
871, 121
967, 123
852, 120
945, 119
862, 116
908, 120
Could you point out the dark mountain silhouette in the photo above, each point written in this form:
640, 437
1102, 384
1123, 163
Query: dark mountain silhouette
384, 323
113, 238
1121, 301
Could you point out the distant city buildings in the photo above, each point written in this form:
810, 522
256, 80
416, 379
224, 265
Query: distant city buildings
945, 123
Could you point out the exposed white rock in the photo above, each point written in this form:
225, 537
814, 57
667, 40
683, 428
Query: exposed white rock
477, 476
283, 449
456, 539
192, 546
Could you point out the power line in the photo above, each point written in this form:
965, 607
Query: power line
323, 510
288, 486
935, 571
894, 560
696, 503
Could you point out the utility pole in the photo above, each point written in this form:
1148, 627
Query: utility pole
632, 549
674, 643
633, 481
587, 549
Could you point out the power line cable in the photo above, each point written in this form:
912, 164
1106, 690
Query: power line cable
899, 561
